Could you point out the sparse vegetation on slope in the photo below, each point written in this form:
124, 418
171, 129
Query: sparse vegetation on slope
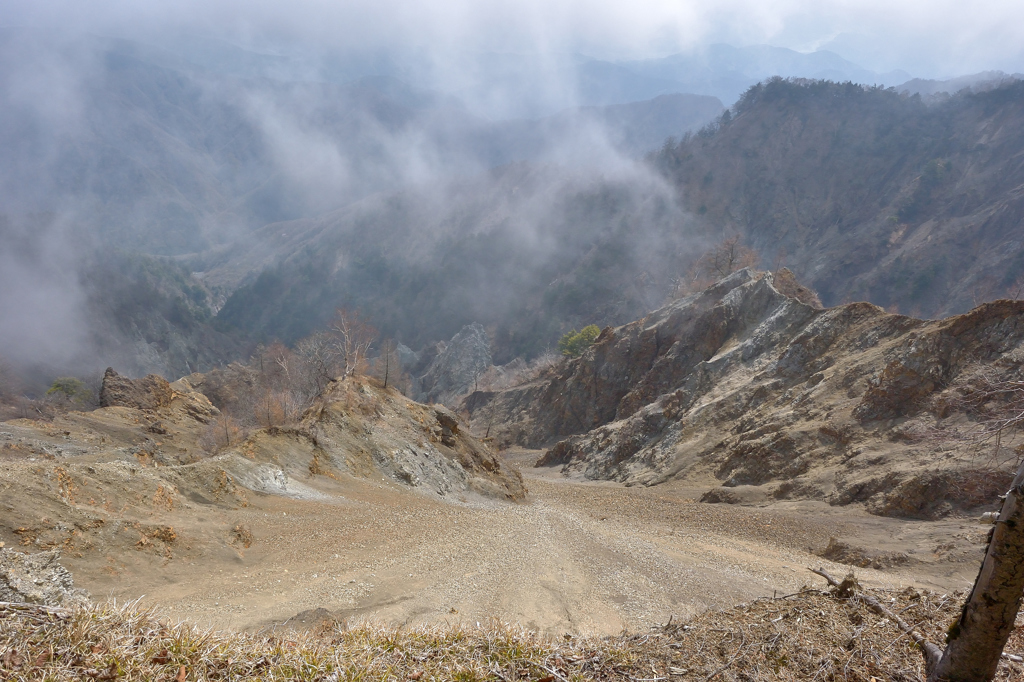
573, 343
809, 635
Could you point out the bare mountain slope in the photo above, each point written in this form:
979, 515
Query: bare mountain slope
760, 396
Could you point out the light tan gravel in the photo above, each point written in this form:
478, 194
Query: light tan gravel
576, 557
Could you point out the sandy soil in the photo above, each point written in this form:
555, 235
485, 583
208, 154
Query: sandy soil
575, 557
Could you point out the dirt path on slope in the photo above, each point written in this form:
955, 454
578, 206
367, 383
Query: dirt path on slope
576, 557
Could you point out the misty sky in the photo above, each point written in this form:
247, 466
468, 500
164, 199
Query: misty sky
928, 38
523, 50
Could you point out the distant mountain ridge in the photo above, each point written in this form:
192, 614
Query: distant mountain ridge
726, 71
985, 80
509, 85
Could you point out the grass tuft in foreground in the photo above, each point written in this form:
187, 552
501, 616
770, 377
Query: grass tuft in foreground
808, 636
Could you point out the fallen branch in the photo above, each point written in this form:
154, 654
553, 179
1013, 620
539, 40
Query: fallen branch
26, 607
932, 654
743, 643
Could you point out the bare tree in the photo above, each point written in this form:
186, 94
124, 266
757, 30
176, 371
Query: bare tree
221, 433
728, 257
318, 354
279, 354
354, 336
278, 397
1015, 291
976, 640
720, 261
388, 364
984, 289
6, 379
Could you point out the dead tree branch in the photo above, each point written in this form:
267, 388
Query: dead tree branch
932, 654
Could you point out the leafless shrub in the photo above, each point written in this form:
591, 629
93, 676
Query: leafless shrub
222, 433
718, 262
242, 536
996, 403
787, 284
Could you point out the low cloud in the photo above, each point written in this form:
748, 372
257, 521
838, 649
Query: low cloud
922, 36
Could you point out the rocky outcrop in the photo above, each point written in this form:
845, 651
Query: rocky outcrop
785, 281
362, 429
744, 386
455, 369
629, 366
37, 579
148, 393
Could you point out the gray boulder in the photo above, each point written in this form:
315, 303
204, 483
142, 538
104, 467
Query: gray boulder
37, 579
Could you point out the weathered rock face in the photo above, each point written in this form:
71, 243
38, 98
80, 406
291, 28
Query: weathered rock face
357, 428
37, 579
629, 366
455, 369
743, 386
362, 428
148, 393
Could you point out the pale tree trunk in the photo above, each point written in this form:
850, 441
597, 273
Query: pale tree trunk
976, 640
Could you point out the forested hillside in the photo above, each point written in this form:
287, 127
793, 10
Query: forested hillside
868, 194
865, 193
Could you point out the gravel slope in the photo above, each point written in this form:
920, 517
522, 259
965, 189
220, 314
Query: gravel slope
575, 557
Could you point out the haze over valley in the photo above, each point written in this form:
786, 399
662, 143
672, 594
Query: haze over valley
510, 341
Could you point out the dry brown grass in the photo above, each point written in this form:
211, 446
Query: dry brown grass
812, 635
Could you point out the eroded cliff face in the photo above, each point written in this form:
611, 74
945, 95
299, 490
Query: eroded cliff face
629, 366
761, 397
455, 368
363, 429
